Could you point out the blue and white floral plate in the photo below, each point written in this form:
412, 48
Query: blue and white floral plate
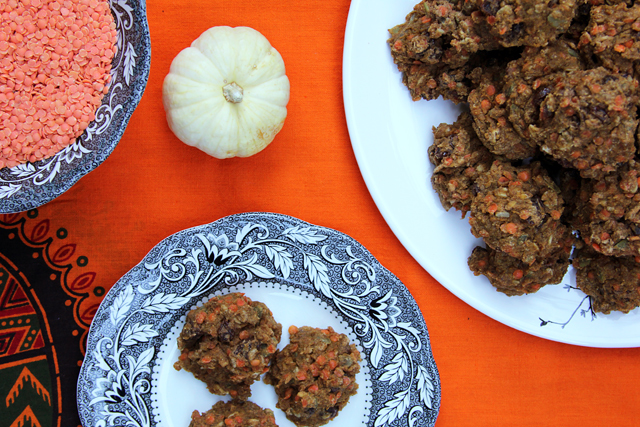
30, 185
306, 274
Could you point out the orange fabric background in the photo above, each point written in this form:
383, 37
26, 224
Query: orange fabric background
153, 185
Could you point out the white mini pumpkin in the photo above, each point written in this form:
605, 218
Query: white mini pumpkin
227, 94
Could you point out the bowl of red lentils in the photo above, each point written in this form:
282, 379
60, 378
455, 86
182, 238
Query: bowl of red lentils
71, 74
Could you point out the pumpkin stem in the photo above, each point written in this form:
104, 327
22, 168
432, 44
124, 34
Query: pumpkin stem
232, 93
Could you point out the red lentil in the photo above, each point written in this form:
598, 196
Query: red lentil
51, 80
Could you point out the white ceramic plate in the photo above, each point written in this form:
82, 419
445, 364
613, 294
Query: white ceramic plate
390, 135
306, 274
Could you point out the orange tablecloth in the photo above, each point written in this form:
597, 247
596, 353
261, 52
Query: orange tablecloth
153, 185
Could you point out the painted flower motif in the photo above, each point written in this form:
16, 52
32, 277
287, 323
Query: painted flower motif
385, 310
74, 151
219, 249
115, 390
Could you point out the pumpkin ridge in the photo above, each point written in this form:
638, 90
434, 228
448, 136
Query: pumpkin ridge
218, 106
258, 117
215, 56
265, 70
182, 130
192, 56
188, 97
264, 93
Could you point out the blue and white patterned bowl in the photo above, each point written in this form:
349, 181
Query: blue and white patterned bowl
30, 185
